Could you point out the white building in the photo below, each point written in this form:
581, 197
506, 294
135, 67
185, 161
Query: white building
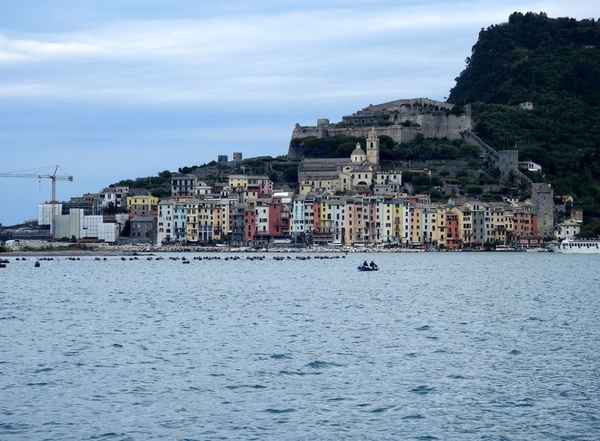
45, 213
115, 195
261, 217
567, 228
336, 216
76, 224
530, 166
171, 221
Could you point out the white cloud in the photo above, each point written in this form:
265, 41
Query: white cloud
298, 54
32, 50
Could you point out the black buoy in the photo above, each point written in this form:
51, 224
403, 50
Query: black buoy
37, 264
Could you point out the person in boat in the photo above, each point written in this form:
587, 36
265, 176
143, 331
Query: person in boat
372, 265
365, 263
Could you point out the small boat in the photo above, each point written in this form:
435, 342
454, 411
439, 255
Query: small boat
367, 268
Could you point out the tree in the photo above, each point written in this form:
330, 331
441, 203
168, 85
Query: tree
110, 208
590, 230
126, 229
421, 179
474, 190
290, 175
436, 195
159, 192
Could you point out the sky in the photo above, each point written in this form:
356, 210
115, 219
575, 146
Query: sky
111, 90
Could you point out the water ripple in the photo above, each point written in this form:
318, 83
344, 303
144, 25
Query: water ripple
444, 346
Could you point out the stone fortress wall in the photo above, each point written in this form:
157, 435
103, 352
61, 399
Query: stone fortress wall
506, 160
432, 120
427, 117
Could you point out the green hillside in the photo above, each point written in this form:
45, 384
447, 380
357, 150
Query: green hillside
554, 63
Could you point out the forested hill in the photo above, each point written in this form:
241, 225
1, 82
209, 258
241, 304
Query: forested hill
554, 63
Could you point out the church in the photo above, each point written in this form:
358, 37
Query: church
359, 174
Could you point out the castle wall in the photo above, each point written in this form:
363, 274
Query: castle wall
440, 126
405, 106
429, 117
490, 155
436, 125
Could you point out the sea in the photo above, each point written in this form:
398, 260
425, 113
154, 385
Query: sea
242, 346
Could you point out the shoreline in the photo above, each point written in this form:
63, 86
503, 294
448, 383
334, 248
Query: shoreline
186, 250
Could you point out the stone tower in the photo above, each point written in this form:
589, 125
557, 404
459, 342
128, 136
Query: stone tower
373, 147
508, 161
542, 204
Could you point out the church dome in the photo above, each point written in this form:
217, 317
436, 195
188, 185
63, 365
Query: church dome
358, 155
358, 150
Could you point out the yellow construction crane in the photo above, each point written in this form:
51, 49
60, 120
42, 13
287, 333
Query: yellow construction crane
43, 173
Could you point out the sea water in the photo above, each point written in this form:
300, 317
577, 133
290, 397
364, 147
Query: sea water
433, 346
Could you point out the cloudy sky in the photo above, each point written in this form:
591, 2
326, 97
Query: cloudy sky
114, 89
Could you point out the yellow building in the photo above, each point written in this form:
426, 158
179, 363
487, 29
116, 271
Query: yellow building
206, 220
238, 181
438, 227
465, 223
391, 221
221, 219
324, 224
191, 221
325, 182
142, 205
415, 234
499, 223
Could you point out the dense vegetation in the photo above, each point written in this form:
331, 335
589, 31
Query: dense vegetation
421, 149
554, 64
159, 185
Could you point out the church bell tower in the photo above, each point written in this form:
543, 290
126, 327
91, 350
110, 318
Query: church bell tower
373, 147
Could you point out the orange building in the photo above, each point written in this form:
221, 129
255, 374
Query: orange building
279, 218
453, 236
525, 223
249, 224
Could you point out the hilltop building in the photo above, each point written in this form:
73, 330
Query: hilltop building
359, 173
401, 120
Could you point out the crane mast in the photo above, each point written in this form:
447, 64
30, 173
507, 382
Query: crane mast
39, 175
